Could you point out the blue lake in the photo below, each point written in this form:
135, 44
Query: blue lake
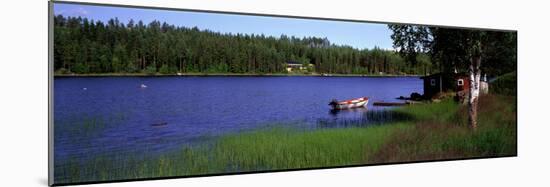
115, 115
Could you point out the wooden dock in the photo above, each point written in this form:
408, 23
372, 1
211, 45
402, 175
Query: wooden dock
407, 102
382, 103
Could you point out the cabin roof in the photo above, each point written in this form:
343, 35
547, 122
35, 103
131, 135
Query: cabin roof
430, 76
444, 74
293, 63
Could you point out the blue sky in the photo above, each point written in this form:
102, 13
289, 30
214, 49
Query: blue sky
358, 35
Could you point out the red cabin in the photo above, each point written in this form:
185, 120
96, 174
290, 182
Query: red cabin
444, 82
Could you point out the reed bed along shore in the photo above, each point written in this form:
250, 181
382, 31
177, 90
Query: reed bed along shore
432, 131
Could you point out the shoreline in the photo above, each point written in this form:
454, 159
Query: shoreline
227, 75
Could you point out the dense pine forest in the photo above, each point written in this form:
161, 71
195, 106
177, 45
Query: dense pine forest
83, 46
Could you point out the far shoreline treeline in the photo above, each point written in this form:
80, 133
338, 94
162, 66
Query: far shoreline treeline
88, 47
226, 75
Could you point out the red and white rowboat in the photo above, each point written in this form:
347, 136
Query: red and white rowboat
347, 104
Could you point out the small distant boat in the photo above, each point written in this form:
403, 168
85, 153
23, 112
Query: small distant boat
347, 104
159, 124
143, 86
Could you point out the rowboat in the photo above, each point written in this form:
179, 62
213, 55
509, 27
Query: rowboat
347, 104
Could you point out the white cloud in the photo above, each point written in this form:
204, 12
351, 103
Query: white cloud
74, 12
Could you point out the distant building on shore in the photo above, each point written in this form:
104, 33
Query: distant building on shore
292, 66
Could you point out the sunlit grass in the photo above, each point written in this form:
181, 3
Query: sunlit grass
287, 148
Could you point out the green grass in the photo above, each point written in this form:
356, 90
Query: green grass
428, 132
287, 148
440, 112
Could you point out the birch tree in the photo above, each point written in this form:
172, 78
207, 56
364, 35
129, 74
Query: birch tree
475, 76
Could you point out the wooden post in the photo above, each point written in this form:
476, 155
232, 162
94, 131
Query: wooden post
440, 83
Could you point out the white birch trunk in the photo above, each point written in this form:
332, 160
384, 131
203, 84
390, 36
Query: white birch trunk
475, 77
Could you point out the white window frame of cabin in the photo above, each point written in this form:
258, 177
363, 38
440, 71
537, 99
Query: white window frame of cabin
460, 82
432, 82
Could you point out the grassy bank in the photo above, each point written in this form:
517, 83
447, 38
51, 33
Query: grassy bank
440, 131
429, 132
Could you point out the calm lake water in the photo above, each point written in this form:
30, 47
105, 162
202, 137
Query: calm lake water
114, 115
